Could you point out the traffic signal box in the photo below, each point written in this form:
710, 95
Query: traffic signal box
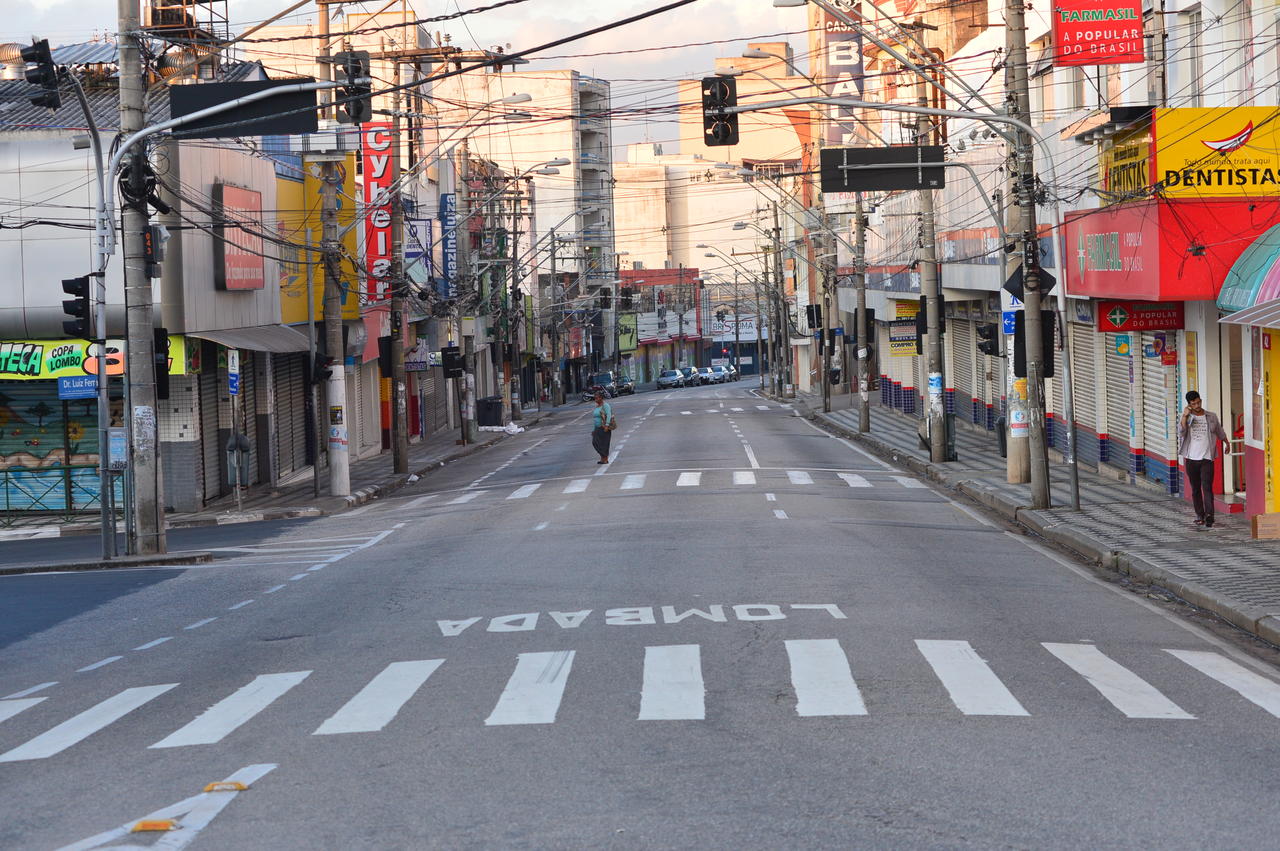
356, 101
922, 322
718, 126
79, 308
44, 75
1047, 325
988, 338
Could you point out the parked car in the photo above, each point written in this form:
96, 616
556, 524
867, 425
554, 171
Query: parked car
732, 370
691, 376
605, 380
670, 379
708, 376
625, 385
722, 374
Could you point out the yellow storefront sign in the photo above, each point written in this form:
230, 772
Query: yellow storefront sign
1124, 164
628, 332
905, 309
1228, 152
42, 360
298, 222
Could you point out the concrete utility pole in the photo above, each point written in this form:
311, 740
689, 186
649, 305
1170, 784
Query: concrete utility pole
1025, 186
780, 308
828, 280
557, 312
931, 291
399, 285
462, 160
148, 533
863, 329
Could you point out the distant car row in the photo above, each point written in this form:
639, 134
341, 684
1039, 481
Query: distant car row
692, 376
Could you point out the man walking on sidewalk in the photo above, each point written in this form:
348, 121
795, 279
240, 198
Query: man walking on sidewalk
1198, 434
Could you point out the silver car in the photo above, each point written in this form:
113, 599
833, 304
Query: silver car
670, 379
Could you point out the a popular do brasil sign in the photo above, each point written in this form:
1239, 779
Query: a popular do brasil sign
1097, 32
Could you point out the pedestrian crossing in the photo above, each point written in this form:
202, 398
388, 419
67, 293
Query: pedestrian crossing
723, 410
310, 551
677, 682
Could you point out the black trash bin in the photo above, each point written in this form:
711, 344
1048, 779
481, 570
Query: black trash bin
489, 411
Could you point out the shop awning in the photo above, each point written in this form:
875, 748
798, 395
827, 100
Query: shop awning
1264, 315
1255, 276
261, 338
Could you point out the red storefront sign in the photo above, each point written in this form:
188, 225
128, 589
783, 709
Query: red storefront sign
237, 252
1116, 316
1097, 32
375, 146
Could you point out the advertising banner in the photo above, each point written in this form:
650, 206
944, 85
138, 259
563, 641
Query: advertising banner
1217, 152
298, 221
419, 266
449, 240
375, 149
628, 332
902, 338
1114, 316
1125, 165
238, 260
34, 360
836, 48
1097, 32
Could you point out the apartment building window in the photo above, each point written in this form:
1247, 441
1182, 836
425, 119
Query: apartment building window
1194, 90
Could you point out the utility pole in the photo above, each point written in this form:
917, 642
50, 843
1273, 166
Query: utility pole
932, 297
462, 160
825, 341
399, 390
737, 326
863, 329
780, 308
513, 311
1025, 186
147, 501
557, 387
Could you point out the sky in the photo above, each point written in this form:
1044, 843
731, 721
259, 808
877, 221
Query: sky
638, 78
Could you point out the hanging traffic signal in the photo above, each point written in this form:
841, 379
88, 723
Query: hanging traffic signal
922, 321
357, 89
1047, 323
160, 353
44, 75
813, 313
718, 126
988, 343
79, 308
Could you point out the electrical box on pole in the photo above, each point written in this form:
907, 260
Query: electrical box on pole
79, 308
44, 75
355, 106
718, 126
1020, 343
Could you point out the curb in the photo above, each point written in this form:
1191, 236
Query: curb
101, 564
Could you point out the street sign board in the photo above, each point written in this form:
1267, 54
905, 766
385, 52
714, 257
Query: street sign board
864, 169
1009, 320
233, 372
77, 386
1140, 316
284, 114
117, 449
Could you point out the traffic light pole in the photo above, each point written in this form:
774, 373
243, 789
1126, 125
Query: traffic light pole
399, 284
864, 331
931, 290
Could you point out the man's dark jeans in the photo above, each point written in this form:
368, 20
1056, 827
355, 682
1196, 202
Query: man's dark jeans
1200, 475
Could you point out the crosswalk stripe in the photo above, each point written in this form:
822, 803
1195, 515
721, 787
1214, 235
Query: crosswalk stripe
908, 482
1125, 690
739, 410
415, 503
524, 491
85, 724
762, 407
228, 714
713, 410
375, 705
1254, 688
854, 481
822, 679
689, 480
744, 477
632, 482
974, 687
686, 413
10, 708
466, 497
533, 693
672, 688
799, 477
577, 486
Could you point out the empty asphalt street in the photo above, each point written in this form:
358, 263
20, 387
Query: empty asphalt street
743, 632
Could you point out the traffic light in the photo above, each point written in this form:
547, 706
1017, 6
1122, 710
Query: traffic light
1047, 324
79, 308
357, 89
161, 360
922, 321
989, 343
718, 126
605, 298
813, 313
44, 75
625, 297
320, 369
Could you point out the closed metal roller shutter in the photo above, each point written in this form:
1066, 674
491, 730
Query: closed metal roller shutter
354, 410
210, 452
1117, 418
247, 421
291, 412
1159, 405
438, 400
1054, 396
961, 367
1084, 376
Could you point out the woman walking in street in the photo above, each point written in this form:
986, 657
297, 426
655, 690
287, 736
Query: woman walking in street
602, 431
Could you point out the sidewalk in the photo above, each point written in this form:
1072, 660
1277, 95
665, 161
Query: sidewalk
371, 478
1136, 531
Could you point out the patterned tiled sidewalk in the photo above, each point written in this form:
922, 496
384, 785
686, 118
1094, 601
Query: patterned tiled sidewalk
1131, 528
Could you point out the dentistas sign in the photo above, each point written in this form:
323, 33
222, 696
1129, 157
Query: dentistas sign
1097, 32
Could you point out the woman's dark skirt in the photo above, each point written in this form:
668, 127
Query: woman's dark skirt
600, 440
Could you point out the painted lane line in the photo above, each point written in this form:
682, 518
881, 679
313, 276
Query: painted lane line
10, 708
576, 486
650, 411
239, 605
85, 724
672, 689
633, 482
316, 567
908, 482
540, 526
533, 693
378, 703
1125, 690
686, 413
769, 497
466, 497
415, 503
200, 623
1256, 689
744, 477
712, 411
854, 481
974, 687
739, 410
32, 690
822, 679
101, 663
689, 480
225, 716
523, 492
762, 407
751, 456
362, 510
298, 576
799, 477
273, 589
156, 643
780, 514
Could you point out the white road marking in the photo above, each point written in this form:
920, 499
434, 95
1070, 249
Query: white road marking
244, 603
533, 693
744, 477
415, 503
686, 413
713, 410
751, 456
101, 663
576, 486
540, 526
378, 703
85, 724
762, 407
1125, 690
633, 482
273, 589
200, 623
650, 411
10, 708
315, 567
780, 514
225, 716
466, 497
1254, 688
822, 679
771, 497
672, 689
854, 481
799, 477
908, 482
689, 480
157, 642
361, 510
739, 410
294, 578
974, 687
32, 690
523, 492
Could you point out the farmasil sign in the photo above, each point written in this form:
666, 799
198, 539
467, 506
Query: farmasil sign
1097, 32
